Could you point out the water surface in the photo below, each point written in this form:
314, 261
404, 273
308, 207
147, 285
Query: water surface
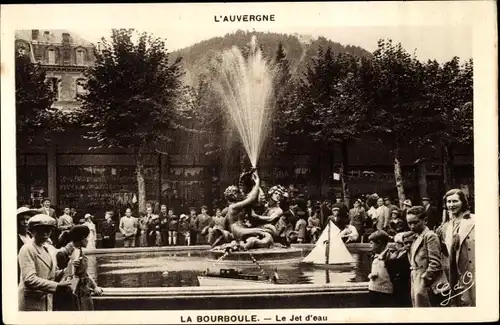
147, 269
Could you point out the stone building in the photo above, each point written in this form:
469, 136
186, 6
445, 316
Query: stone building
64, 56
103, 179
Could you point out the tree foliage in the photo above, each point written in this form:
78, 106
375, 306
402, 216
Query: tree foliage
35, 115
135, 97
133, 92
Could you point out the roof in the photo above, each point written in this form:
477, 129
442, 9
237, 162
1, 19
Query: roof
54, 36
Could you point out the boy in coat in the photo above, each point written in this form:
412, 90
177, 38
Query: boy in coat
425, 260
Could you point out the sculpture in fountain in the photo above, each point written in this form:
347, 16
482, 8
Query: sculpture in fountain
244, 228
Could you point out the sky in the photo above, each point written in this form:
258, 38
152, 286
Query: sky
430, 42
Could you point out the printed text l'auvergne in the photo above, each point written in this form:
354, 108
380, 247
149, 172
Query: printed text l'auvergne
244, 18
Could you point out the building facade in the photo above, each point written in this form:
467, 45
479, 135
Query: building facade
104, 179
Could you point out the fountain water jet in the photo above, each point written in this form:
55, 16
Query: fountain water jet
246, 86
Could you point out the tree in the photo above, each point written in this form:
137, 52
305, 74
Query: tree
133, 97
34, 98
345, 120
282, 102
331, 111
449, 103
396, 102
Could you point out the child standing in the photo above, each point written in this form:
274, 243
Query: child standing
83, 286
425, 260
398, 266
380, 286
184, 229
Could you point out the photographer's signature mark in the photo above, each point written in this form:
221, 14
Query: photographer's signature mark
458, 289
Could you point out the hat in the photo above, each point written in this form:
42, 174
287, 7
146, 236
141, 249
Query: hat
335, 208
425, 198
41, 220
396, 212
359, 201
45, 199
379, 236
78, 232
183, 216
87, 216
387, 198
407, 203
26, 211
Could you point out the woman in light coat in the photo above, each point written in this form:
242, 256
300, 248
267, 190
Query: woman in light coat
38, 268
458, 236
92, 235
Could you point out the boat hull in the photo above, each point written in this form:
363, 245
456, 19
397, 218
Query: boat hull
220, 281
264, 256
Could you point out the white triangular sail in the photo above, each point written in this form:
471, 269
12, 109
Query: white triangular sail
338, 253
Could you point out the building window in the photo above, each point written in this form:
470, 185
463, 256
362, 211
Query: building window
52, 56
54, 85
80, 57
80, 87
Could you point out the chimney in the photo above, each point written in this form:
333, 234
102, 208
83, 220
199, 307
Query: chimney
46, 33
34, 34
65, 38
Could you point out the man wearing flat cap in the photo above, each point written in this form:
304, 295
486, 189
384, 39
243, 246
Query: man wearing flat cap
433, 217
39, 279
47, 210
23, 236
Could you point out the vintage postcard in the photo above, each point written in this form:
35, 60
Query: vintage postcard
249, 163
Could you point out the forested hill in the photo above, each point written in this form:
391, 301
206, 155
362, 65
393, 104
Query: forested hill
298, 48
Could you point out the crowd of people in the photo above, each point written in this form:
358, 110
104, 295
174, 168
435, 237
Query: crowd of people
302, 221
417, 250
430, 264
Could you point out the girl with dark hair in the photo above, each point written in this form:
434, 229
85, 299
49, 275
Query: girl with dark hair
76, 265
458, 236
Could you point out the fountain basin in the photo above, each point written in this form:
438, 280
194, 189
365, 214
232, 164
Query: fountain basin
354, 295
141, 279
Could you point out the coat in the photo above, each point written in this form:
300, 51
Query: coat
50, 212
427, 269
383, 216
38, 278
433, 217
398, 267
465, 257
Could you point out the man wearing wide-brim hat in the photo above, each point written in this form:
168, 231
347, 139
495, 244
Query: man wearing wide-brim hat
23, 215
405, 207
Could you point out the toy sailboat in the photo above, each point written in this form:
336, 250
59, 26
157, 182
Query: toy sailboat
235, 277
329, 249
